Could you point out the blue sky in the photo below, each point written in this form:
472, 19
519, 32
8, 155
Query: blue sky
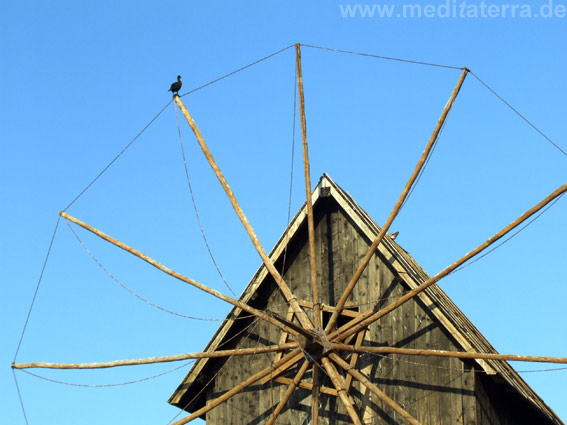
79, 81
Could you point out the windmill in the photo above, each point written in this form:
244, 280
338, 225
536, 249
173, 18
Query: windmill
319, 343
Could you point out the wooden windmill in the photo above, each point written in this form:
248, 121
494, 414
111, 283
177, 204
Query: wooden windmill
341, 325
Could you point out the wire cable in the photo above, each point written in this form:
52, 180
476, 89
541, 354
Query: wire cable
20, 396
117, 156
236, 71
383, 57
519, 114
36, 289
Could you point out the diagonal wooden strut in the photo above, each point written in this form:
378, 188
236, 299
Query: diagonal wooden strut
364, 380
338, 382
290, 389
179, 276
311, 231
162, 359
399, 203
301, 315
369, 317
445, 353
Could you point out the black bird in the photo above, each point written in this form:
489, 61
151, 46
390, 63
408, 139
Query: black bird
175, 87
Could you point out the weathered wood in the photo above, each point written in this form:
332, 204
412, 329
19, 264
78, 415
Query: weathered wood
238, 388
307, 386
315, 395
331, 309
338, 382
303, 318
161, 359
357, 375
354, 358
444, 353
367, 318
290, 389
309, 204
179, 276
399, 203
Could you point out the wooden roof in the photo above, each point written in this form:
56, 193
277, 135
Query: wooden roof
449, 315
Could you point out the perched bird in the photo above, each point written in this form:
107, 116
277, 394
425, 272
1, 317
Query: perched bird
175, 87
393, 235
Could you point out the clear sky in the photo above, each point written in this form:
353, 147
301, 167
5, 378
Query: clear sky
79, 80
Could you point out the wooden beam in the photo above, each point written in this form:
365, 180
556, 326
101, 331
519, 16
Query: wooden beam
331, 309
179, 276
354, 358
303, 318
399, 204
162, 359
364, 380
369, 317
338, 382
309, 203
238, 388
290, 389
307, 386
444, 353
315, 395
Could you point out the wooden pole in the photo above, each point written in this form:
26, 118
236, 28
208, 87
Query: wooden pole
290, 389
360, 377
354, 358
311, 230
303, 318
308, 386
399, 203
235, 390
310, 220
162, 359
179, 276
454, 354
339, 385
369, 317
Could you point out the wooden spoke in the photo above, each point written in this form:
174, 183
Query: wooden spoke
179, 276
238, 388
455, 354
163, 359
354, 358
315, 395
338, 382
364, 380
367, 318
290, 389
303, 318
309, 202
398, 206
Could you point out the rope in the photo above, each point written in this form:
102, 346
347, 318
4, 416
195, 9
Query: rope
20, 396
195, 206
117, 156
384, 57
519, 114
36, 290
236, 71
55, 381
130, 290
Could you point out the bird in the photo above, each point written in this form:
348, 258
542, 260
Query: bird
393, 235
175, 87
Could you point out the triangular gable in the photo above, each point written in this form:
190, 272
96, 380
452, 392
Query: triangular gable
445, 311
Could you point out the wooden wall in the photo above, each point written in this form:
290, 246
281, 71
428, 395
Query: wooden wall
434, 390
